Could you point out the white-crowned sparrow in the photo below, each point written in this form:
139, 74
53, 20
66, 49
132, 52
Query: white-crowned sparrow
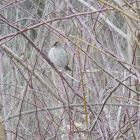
58, 56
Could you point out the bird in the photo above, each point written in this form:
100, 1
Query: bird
58, 56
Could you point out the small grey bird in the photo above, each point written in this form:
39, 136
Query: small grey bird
58, 56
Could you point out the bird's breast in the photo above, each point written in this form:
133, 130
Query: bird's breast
58, 57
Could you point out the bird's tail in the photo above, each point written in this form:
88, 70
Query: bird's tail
67, 68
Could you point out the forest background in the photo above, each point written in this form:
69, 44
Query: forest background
99, 98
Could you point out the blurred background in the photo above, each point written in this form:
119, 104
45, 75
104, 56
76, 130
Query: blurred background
99, 99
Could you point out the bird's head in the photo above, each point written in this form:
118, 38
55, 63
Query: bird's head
57, 43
